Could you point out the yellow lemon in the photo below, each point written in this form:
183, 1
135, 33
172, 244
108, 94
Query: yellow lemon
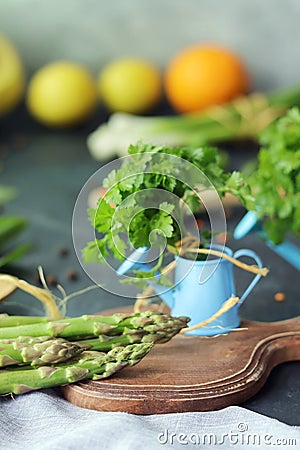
130, 85
62, 94
12, 79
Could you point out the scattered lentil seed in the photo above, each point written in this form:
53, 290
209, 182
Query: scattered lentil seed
72, 275
63, 251
279, 297
51, 280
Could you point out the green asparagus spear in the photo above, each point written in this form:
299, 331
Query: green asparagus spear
47, 350
37, 351
104, 343
88, 326
13, 321
88, 365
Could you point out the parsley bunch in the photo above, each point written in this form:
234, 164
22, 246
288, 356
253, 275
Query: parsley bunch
276, 181
127, 208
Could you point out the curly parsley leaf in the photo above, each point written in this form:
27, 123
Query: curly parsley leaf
136, 210
276, 182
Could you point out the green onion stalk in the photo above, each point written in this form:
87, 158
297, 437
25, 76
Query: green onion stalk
242, 118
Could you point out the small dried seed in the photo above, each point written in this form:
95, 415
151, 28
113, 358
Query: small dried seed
51, 280
72, 275
279, 297
63, 251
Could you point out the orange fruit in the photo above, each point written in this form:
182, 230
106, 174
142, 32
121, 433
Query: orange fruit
204, 75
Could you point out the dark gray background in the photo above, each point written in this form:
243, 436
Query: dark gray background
266, 33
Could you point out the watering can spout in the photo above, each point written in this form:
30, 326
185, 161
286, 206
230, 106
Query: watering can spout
136, 261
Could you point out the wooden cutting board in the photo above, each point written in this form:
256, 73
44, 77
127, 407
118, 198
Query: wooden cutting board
194, 373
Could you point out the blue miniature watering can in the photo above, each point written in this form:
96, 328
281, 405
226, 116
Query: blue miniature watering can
200, 288
287, 250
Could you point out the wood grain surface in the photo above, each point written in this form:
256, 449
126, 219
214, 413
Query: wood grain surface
194, 373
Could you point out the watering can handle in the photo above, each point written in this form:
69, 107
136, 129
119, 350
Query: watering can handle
250, 254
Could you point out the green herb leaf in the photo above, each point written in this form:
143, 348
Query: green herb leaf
276, 182
134, 190
161, 223
10, 226
92, 253
14, 254
102, 216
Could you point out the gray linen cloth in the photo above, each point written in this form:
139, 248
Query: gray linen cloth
44, 420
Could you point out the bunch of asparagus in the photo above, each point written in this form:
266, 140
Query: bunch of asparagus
36, 353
